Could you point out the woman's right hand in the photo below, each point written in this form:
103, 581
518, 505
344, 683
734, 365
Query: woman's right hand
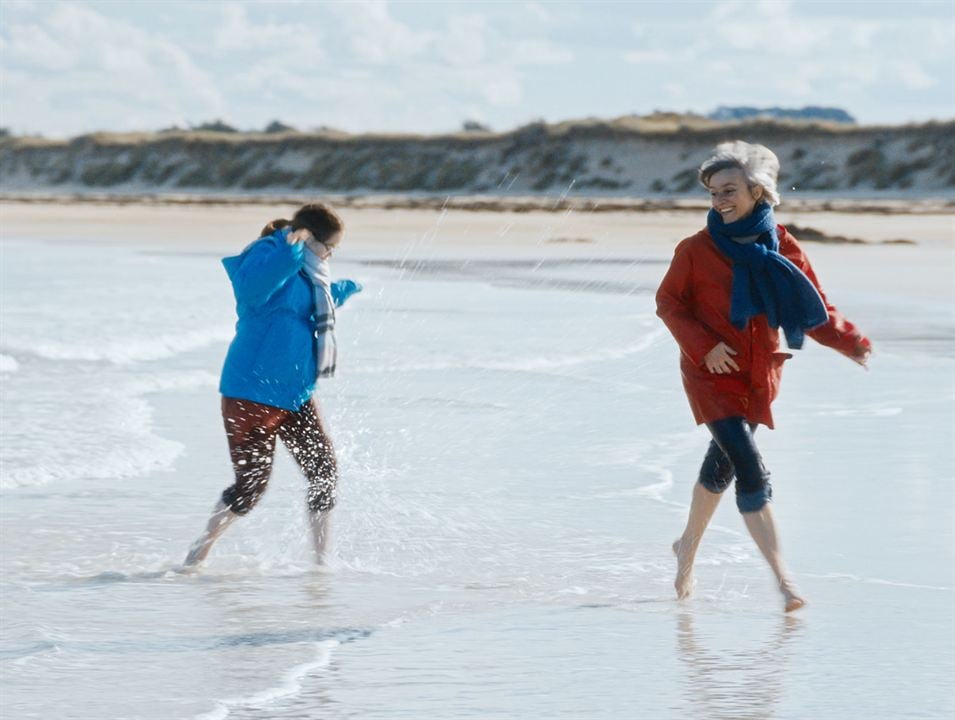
719, 360
297, 236
862, 353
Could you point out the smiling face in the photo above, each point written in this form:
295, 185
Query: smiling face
731, 196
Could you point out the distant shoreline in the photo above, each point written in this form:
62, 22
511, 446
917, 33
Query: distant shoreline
894, 205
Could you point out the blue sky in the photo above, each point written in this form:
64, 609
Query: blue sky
73, 67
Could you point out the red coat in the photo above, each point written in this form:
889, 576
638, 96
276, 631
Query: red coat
694, 302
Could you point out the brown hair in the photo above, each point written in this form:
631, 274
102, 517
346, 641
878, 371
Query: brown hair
276, 224
320, 219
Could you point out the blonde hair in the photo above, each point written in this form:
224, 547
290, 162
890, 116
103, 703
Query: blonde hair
759, 164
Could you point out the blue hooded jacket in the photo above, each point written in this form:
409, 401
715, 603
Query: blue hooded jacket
272, 358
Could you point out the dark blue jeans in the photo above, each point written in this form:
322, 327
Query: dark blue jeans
732, 452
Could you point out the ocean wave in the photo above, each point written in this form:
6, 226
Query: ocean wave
8, 364
871, 410
172, 381
877, 581
125, 351
288, 685
122, 444
540, 363
146, 454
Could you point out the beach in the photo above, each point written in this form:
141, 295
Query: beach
516, 455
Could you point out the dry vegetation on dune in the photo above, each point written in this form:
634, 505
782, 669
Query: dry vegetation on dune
645, 157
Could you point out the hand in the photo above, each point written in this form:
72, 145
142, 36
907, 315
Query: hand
344, 289
719, 360
862, 353
297, 236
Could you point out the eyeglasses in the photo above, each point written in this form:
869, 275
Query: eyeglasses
326, 250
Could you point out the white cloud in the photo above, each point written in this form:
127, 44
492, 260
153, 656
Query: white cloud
942, 35
639, 57
862, 33
502, 90
463, 42
286, 62
722, 10
540, 52
913, 76
859, 72
92, 72
238, 33
773, 8
796, 37
541, 13
675, 91
374, 36
32, 46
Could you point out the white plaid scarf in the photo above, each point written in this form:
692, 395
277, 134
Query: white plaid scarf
319, 274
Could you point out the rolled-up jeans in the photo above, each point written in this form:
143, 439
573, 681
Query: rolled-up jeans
733, 452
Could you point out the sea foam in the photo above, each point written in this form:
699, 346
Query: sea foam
119, 352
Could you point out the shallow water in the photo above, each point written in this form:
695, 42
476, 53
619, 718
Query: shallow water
516, 457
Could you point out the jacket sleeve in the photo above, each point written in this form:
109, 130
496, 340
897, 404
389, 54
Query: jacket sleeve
674, 307
263, 269
837, 332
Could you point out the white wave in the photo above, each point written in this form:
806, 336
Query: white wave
593, 356
289, 685
573, 590
144, 455
527, 364
130, 448
8, 364
652, 458
127, 350
732, 554
172, 381
877, 581
861, 411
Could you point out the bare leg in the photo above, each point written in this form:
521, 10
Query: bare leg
702, 507
320, 523
221, 518
306, 438
762, 527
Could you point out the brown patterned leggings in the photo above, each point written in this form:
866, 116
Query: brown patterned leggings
251, 429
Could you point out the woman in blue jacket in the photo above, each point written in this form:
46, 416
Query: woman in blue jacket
284, 342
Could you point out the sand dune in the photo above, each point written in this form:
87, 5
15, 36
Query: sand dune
654, 159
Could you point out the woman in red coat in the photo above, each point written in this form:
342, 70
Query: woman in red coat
728, 291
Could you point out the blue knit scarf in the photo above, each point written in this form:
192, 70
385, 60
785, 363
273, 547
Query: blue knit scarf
765, 281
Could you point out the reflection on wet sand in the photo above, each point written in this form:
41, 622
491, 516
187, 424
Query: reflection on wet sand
741, 684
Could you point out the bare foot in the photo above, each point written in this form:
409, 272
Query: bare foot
222, 516
197, 553
793, 601
684, 572
320, 524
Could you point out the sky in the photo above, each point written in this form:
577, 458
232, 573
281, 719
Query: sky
68, 68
